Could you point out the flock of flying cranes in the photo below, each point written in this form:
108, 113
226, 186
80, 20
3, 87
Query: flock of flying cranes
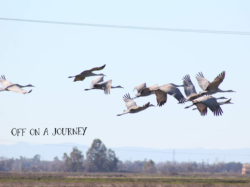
201, 100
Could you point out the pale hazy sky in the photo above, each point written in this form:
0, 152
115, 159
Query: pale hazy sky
45, 55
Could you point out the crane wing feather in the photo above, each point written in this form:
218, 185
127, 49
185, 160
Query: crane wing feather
16, 89
175, 92
128, 101
94, 69
106, 86
189, 88
140, 87
4, 82
217, 81
97, 80
161, 97
97, 68
202, 109
213, 105
202, 81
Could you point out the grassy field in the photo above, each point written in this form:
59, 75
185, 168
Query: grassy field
124, 179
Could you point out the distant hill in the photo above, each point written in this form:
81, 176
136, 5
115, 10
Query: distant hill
49, 151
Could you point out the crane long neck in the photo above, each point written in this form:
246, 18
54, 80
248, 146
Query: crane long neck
115, 87
94, 74
88, 89
28, 85
120, 114
219, 90
23, 86
220, 98
177, 85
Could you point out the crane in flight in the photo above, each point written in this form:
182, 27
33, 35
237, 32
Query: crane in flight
189, 89
87, 73
208, 101
132, 107
99, 84
171, 89
213, 87
143, 90
9, 86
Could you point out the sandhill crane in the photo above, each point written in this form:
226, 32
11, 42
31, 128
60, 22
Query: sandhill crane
213, 87
99, 84
87, 73
171, 89
208, 101
143, 91
9, 86
189, 89
203, 108
132, 107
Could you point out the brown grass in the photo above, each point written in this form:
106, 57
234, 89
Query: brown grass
58, 184
19, 179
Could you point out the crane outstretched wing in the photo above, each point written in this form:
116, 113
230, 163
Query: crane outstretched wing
140, 87
4, 82
213, 105
97, 80
175, 92
189, 88
202, 81
95, 69
106, 86
217, 81
202, 109
161, 97
128, 101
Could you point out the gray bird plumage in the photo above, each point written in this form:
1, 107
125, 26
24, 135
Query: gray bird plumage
99, 84
171, 89
143, 91
213, 87
189, 89
208, 101
9, 86
87, 73
132, 107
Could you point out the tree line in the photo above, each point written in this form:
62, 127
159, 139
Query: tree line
101, 159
